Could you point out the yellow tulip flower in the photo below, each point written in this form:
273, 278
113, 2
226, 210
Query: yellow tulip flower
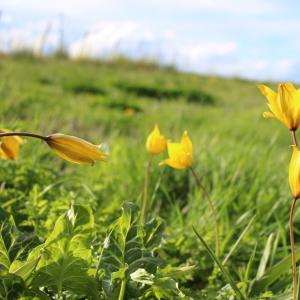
156, 143
180, 154
10, 146
74, 149
284, 105
294, 172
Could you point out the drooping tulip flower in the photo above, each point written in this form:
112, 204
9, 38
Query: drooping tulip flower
10, 146
180, 154
74, 149
284, 105
156, 143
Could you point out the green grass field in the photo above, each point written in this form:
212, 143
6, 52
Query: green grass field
241, 158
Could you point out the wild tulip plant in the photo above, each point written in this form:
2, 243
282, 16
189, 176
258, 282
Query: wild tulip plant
285, 107
180, 158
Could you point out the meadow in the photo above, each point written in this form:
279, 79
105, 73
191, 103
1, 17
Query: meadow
72, 232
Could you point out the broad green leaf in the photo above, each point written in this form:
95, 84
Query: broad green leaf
124, 250
68, 274
11, 286
24, 269
66, 256
14, 244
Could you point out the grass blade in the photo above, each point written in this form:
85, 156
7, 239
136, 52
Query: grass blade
238, 241
265, 257
272, 275
223, 270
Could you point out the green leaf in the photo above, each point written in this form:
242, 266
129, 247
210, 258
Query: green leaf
11, 286
124, 250
24, 269
66, 256
72, 234
68, 274
166, 288
162, 287
14, 244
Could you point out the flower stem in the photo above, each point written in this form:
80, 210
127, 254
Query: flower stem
213, 210
294, 270
122, 289
145, 192
294, 138
25, 134
292, 241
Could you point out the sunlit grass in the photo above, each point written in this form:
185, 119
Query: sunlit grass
241, 159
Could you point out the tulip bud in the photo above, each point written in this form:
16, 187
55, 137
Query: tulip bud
156, 143
74, 149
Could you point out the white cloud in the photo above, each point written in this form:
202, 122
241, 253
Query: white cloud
202, 51
129, 38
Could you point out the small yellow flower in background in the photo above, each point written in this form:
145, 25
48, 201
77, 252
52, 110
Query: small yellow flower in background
129, 112
284, 105
294, 172
10, 146
74, 149
156, 143
180, 154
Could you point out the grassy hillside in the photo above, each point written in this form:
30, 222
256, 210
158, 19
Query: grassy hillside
241, 158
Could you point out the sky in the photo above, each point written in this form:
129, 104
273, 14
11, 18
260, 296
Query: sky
257, 39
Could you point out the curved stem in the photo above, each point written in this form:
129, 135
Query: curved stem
294, 137
212, 208
294, 269
25, 134
122, 290
145, 192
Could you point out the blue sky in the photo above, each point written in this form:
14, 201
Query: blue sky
249, 38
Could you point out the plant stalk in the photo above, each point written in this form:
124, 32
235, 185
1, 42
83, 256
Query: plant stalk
294, 138
212, 208
122, 289
292, 241
145, 192
294, 268
24, 134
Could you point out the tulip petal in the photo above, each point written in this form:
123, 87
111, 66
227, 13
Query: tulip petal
186, 143
172, 163
294, 172
174, 149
